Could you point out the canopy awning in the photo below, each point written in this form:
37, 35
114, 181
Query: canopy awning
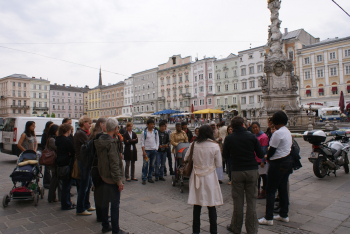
208, 111
348, 87
145, 115
320, 90
166, 112
308, 91
123, 117
334, 89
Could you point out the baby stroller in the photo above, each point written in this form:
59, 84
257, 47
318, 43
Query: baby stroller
181, 150
27, 174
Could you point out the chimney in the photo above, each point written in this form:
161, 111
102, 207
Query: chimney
285, 31
64, 85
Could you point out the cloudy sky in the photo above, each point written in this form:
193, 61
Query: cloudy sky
129, 36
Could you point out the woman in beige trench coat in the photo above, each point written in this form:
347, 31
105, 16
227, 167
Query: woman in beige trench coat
204, 187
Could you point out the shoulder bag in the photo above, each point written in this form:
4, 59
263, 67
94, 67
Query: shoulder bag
189, 166
48, 157
63, 173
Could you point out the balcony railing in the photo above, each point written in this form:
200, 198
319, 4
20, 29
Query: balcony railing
161, 98
186, 95
19, 106
40, 108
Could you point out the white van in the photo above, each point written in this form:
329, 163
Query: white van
14, 127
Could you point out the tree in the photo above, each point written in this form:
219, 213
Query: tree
53, 115
48, 115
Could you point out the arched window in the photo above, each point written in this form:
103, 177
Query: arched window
320, 90
308, 91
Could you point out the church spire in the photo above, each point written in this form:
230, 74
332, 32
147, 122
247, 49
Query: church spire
100, 79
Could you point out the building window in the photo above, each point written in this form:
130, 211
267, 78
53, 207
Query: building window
226, 75
219, 88
174, 80
234, 100
174, 92
218, 102
209, 101
251, 70
321, 92
320, 73
210, 75
250, 56
226, 101
195, 102
260, 68
168, 81
19, 93
333, 71
307, 75
251, 99
332, 55
226, 87
235, 86
252, 84
19, 84
195, 90
168, 93
347, 70
243, 100
319, 58
243, 72
201, 89
201, 102
347, 53
308, 93
291, 55
210, 88
334, 90
307, 60
244, 85
218, 76
180, 79
201, 77
235, 73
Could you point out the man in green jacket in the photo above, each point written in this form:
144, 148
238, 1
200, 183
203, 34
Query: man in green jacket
110, 167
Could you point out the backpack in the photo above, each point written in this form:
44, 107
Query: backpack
145, 133
87, 151
295, 157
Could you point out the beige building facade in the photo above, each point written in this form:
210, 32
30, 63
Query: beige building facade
40, 97
112, 100
324, 71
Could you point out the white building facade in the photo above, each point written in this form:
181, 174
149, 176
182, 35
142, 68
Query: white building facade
128, 96
40, 96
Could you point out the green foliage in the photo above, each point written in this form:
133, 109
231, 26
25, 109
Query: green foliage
53, 115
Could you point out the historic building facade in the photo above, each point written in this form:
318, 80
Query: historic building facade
94, 100
324, 71
128, 96
15, 96
40, 96
67, 101
112, 100
202, 85
145, 91
174, 83
227, 84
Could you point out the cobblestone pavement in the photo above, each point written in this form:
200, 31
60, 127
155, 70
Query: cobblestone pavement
316, 206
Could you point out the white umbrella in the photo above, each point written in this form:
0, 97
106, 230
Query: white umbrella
123, 117
146, 115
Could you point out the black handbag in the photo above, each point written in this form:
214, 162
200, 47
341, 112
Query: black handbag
64, 173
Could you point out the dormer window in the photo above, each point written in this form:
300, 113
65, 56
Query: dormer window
174, 60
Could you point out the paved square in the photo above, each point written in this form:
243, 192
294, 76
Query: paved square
316, 206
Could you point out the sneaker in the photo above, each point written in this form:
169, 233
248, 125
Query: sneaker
91, 209
150, 181
109, 229
84, 213
279, 218
156, 179
144, 182
263, 221
162, 179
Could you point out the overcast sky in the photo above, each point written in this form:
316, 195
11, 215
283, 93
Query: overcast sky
130, 36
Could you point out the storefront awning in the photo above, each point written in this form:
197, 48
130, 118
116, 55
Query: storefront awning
348, 87
334, 88
308, 91
320, 90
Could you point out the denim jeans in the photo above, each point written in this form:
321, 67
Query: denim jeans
66, 204
148, 166
112, 195
277, 179
83, 200
160, 164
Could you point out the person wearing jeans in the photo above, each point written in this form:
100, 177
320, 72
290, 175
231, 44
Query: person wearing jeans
280, 168
80, 137
241, 147
149, 145
162, 152
110, 168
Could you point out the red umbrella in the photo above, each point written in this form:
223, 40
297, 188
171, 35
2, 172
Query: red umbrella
341, 102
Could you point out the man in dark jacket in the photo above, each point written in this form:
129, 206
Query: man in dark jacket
240, 147
187, 131
80, 137
130, 152
164, 144
110, 167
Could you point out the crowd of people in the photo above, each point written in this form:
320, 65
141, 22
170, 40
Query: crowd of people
95, 153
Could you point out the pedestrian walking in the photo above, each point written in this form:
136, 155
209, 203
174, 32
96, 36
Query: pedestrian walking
280, 168
218, 139
168, 153
54, 183
196, 132
164, 144
179, 136
65, 157
99, 130
110, 167
186, 130
228, 160
130, 152
47, 172
204, 188
262, 163
241, 147
149, 145
80, 137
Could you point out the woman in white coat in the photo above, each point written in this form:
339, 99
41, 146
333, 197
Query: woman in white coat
204, 187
